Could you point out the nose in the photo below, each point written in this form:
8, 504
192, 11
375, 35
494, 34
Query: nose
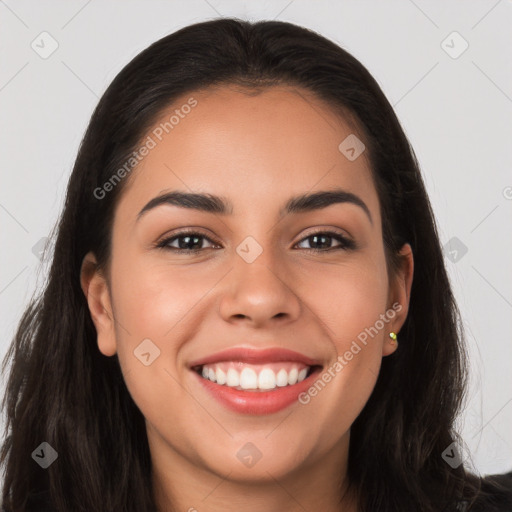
259, 294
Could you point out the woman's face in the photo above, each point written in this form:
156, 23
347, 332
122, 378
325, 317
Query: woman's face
255, 306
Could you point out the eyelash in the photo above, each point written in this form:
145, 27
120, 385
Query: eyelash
346, 244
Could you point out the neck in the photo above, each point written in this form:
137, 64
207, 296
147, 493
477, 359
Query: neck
179, 485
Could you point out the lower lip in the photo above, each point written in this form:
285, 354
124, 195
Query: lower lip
257, 402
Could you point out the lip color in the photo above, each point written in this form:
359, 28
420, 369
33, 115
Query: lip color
257, 402
251, 356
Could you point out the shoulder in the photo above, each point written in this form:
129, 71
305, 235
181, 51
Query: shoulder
495, 494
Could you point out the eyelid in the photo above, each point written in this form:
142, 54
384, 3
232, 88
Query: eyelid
326, 230
192, 230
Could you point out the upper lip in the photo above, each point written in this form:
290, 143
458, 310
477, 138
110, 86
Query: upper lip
255, 356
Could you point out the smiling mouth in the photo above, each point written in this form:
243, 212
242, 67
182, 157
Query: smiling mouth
242, 376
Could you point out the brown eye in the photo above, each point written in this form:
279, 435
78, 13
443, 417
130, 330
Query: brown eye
185, 241
322, 240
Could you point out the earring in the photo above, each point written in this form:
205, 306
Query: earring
393, 337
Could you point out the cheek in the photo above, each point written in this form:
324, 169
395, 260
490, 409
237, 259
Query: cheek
349, 302
346, 298
153, 305
158, 308
154, 300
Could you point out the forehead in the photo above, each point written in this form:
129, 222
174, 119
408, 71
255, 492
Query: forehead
255, 148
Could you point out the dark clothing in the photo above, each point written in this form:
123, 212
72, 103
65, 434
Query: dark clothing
496, 497
499, 488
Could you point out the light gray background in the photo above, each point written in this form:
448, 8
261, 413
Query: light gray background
455, 111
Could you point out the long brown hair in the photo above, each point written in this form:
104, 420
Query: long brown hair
63, 391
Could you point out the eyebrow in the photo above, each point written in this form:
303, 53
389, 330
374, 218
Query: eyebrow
219, 205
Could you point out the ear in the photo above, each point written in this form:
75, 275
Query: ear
399, 296
97, 293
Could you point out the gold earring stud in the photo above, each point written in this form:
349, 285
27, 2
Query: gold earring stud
393, 337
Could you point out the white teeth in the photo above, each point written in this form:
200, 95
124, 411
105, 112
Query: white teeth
293, 376
220, 376
266, 379
248, 378
282, 378
302, 375
233, 378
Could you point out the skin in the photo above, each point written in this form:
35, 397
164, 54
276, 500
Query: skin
257, 151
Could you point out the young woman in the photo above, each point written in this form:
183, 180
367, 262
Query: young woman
248, 307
